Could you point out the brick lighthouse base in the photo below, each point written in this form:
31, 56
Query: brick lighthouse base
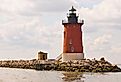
72, 56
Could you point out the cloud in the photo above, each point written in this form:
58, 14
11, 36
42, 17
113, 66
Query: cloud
34, 8
106, 11
102, 40
102, 29
28, 33
53, 6
13, 6
32, 25
88, 3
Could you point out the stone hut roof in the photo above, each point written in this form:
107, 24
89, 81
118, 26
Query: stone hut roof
40, 52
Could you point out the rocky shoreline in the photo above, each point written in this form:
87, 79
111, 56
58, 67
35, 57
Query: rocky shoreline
85, 65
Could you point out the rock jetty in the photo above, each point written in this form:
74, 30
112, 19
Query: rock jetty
85, 65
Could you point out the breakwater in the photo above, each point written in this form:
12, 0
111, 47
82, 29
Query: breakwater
85, 65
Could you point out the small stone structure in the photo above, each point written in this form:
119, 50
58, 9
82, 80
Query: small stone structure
42, 55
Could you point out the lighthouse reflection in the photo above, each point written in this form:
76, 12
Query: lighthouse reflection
72, 76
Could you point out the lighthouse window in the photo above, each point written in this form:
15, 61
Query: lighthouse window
72, 49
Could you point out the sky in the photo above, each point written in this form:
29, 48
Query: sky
29, 26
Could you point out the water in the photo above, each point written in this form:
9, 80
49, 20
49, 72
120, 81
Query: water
26, 75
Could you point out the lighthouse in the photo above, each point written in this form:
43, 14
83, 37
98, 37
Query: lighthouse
72, 44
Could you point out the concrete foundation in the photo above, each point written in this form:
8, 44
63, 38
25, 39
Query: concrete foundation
72, 56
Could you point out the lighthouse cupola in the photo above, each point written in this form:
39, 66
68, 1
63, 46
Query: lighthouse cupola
72, 17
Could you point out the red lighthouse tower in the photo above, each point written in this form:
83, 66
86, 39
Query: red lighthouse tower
72, 47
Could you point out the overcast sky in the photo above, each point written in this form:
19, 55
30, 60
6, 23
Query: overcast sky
29, 26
